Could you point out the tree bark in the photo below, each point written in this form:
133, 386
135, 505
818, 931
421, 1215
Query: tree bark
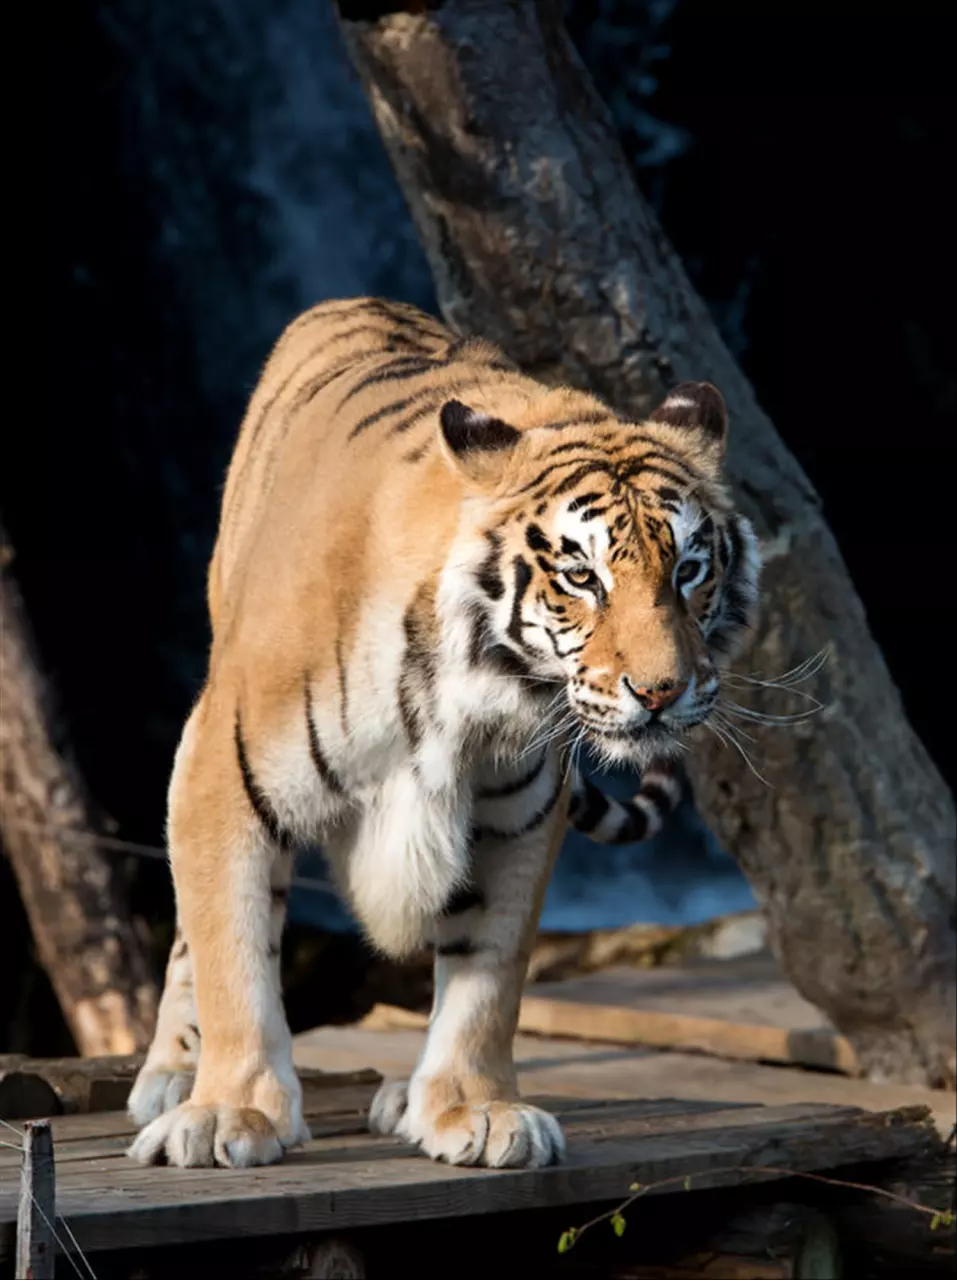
539, 239
74, 896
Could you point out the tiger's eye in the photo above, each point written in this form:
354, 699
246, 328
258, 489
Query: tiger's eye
581, 577
687, 571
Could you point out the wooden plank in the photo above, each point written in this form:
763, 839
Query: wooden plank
634, 1007
358, 1180
327, 1110
547, 1065
747, 989
47, 1086
36, 1210
106, 1136
619, 1025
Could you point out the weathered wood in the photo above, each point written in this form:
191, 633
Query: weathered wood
740, 1009
36, 1210
73, 893
559, 956
618, 1024
547, 1065
539, 239
886, 1239
103, 1084
348, 1181
26, 1096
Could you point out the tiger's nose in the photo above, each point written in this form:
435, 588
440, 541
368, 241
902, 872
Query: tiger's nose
656, 697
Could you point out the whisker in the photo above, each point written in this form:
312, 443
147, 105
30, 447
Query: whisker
765, 717
727, 738
804, 671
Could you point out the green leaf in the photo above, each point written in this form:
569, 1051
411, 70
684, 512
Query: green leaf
567, 1239
688, 1183
935, 1222
618, 1224
635, 1186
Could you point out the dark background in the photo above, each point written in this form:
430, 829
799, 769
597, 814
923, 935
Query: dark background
212, 169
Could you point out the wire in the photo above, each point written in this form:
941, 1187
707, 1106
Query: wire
114, 844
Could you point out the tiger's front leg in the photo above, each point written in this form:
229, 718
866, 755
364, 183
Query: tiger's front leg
462, 1103
229, 869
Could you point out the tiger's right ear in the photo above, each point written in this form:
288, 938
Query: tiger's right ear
478, 445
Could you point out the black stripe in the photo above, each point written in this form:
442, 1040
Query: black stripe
312, 386
518, 784
409, 714
462, 900
633, 829
555, 466
588, 807
377, 331
534, 821
278, 894
323, 768
343, 686
258, 800
489, 576
523, 576
461, 947
418, 453
536, 539
403, 367
577, 476
659, 797
426, 394
594, 418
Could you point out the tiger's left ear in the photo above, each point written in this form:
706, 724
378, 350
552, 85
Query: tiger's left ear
476, 444
697, 407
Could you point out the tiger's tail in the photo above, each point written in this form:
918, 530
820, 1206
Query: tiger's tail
606, 820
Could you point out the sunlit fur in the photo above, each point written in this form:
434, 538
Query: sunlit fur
433, 577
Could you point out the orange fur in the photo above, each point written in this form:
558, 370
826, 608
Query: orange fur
420, 551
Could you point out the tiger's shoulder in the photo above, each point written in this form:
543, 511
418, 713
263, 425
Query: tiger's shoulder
337, 371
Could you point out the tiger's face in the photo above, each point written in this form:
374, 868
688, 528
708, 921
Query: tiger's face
617, 566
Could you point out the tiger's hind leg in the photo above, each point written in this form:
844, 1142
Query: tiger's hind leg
462, 1103
166, 1077
230, 872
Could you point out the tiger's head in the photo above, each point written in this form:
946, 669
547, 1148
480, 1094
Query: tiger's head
612, 558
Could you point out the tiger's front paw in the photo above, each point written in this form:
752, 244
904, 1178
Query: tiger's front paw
389, 1107
156, 1091
499, 1135
198, 1137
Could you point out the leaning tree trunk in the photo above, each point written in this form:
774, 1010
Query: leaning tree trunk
73, 896
539, 239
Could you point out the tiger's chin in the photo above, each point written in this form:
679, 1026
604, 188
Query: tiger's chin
634, 748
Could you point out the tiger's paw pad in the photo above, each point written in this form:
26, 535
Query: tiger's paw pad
388, 1107
499, 1135
195, 1137
157, 1091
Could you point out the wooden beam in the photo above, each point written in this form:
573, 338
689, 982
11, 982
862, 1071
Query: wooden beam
36, 1215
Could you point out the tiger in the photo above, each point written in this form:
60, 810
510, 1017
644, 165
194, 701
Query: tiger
434, 579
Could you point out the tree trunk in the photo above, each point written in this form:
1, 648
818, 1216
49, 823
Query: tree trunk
73, 895
539, 239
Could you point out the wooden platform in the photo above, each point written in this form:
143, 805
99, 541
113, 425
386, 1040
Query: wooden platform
593, 1069
346, 1179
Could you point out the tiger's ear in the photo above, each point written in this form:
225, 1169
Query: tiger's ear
476, 443
697, 407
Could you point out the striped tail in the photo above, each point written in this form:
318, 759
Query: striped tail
608, 821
